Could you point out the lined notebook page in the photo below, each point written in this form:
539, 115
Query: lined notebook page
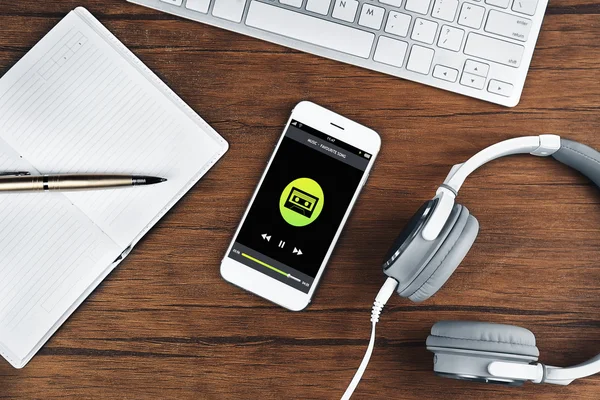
82, 107
50, 253
80, 102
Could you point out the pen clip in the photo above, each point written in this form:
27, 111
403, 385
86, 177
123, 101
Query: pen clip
16, 173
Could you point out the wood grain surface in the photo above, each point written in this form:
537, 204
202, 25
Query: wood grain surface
165, 325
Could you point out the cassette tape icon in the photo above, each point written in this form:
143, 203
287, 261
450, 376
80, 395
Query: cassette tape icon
301, 202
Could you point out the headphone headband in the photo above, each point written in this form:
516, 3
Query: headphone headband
576, 155
580, 157
543, 146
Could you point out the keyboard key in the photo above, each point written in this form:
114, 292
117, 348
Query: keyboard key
508, 25
418, 6
198, 5
445, 9
445, 73
420, 59
473, 81
471, 15
318, 6
345, 10
498, 3
395, 3
451, 38
525, 6
371, 16
476, 68
501, 88
231, 10
390, 51
424, 31
494, 50
310, 29
174, 2
398, 23
293, 3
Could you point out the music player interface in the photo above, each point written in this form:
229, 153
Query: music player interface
300, 206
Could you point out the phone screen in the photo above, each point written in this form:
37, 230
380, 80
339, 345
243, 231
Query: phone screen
300, 205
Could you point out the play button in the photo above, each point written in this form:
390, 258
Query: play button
297, 251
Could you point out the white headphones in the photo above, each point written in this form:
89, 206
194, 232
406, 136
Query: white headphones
430, 248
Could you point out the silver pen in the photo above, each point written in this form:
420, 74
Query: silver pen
23, 181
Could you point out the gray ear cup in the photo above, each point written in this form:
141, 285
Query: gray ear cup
464, 349
483, 336
446, 259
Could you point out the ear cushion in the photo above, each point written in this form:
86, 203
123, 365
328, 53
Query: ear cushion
482, 336
448, 256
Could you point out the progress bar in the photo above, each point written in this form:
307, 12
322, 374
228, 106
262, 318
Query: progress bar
264, 264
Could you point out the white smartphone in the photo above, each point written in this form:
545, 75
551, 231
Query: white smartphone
300, 206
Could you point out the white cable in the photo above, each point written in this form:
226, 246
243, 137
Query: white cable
382, 298
361, 368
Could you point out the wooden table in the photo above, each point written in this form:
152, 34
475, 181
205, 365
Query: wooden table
165, 325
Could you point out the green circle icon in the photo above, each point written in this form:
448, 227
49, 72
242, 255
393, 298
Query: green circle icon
301, 202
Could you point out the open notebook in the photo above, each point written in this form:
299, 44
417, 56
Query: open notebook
80, 102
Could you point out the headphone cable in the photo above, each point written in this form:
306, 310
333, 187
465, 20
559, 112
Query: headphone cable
382, 298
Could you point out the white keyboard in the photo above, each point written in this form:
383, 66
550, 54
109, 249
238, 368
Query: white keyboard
478, 48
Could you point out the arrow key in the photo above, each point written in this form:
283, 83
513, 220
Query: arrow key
500, 88
476, 68
445, 73
473, 81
